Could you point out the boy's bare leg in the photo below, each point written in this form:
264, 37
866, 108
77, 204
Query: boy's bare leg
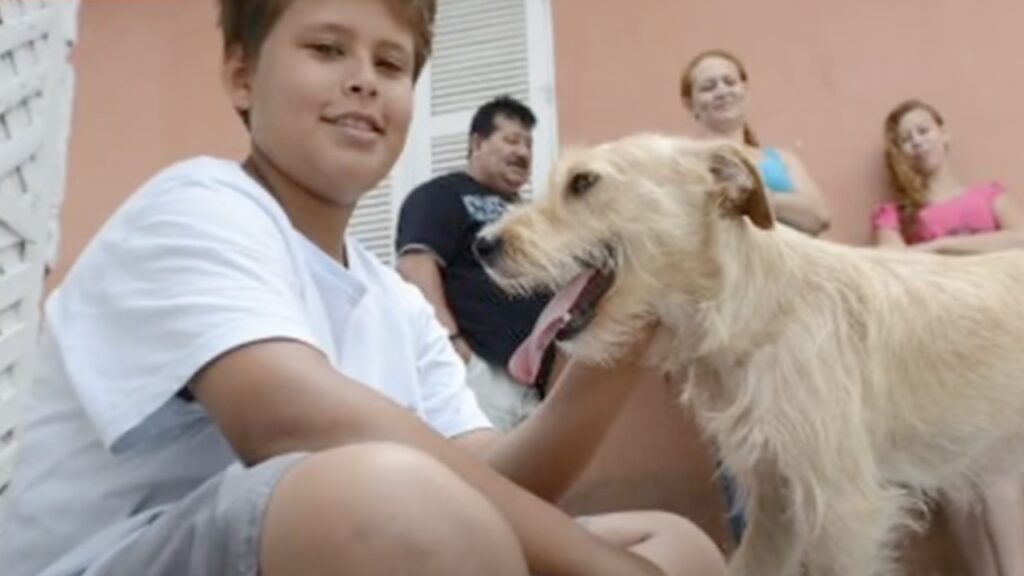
383, 509
671, 542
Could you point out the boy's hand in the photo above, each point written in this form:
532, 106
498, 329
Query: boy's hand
549, 450
633, 363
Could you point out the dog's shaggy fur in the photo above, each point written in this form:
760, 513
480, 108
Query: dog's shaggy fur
841, 384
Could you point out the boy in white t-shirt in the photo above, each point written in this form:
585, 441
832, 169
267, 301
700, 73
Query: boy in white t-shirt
226, 385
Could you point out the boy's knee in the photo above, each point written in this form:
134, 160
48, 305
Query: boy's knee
371, 478
379, 459
675, 544
702, 556
383, 508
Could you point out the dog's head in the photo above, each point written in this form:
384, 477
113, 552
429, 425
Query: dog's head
625, 227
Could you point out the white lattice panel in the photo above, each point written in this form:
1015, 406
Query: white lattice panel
35, 99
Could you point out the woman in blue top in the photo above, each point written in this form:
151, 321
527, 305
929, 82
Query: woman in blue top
714, 89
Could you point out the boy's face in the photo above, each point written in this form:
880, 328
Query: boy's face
330, 95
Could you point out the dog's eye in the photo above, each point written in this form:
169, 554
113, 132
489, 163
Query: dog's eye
581, 182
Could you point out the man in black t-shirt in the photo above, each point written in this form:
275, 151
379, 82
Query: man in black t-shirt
436, 227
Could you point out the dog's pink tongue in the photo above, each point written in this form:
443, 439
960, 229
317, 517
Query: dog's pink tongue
525, 362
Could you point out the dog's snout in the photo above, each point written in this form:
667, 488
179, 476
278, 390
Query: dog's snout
487, 248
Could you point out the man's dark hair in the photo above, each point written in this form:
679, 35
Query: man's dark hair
507, 106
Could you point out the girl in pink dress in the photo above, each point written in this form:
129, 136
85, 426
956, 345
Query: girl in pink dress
935, 211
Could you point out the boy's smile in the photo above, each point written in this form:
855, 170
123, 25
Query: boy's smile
357, 128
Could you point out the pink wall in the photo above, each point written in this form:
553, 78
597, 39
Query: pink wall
148, 93
823, 75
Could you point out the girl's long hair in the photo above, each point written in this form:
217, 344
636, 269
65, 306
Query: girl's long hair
911, 186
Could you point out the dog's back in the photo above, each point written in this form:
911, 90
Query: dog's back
938, 344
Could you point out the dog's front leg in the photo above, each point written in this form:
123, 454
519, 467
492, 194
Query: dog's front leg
857, 527
772, 543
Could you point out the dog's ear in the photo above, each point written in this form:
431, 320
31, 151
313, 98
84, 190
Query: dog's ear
743, 193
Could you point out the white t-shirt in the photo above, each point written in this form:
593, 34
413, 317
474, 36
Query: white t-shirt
200, 261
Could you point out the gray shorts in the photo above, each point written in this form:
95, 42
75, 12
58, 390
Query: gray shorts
214, 531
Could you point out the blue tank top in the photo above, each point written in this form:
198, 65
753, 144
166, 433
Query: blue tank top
774, 172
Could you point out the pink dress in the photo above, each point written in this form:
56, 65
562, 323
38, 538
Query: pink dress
972, 212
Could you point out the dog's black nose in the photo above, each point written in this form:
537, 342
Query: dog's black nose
486, 248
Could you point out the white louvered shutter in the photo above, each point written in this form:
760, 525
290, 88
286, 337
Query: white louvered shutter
35, 103
482, 49
479, 53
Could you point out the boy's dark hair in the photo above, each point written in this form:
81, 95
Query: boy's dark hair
246, 24
507, 106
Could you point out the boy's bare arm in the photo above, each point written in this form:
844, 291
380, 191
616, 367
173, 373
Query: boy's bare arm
550, 449
276, 397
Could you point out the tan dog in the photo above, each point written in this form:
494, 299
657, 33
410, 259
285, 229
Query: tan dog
839, 383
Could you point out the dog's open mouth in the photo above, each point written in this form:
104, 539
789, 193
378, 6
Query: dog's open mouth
568, 313
576, 304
